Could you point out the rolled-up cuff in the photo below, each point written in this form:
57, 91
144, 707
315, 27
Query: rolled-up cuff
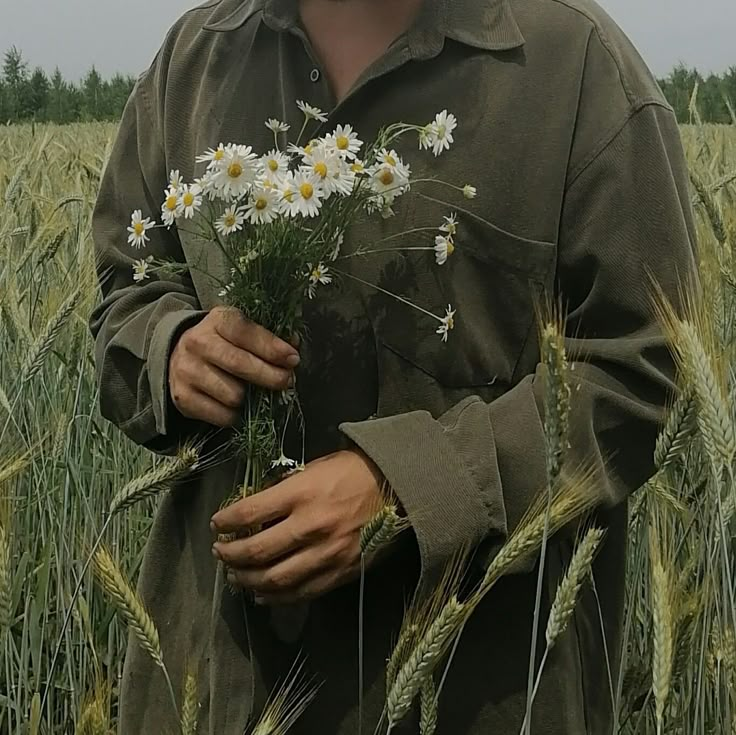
446, 509
164, 338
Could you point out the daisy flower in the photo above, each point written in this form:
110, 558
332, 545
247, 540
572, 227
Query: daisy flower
141, 268
191, 199
443, 248
311, 112
448, 323
225, 291
307, 196
390, 176
232, 220
212, 156
470, 192
138, 228
284, 461
331, 169
318, 275
263, 206
276, 126
172, 206
440, 132
344, 141
175, 180
236, 172
450, 225
207, 185
274, 164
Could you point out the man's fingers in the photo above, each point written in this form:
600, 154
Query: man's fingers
249, 367
265, 507
217, 384
196, 405
264, 548
253, 338
284, 577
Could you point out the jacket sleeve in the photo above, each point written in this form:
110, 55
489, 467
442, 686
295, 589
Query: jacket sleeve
136, 325
470, 475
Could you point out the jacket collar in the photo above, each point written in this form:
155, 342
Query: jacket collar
484, 24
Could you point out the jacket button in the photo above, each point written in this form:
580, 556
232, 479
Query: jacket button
315, 75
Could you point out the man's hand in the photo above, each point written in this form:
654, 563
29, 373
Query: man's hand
312, 542
213, 361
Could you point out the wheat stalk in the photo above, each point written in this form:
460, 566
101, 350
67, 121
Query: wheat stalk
423, 660
6, 582
155, 481
37, 354
428, 714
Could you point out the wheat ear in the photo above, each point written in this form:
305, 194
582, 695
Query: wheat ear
128, 603
155, 481
42, 346
428, 714
6, 597
662, 616
569, 589
288, 703
423, 660
190, 704
677, 431
382, 529
557, 398
94, 718
713, 415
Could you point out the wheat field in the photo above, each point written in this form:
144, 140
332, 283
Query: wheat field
61, 464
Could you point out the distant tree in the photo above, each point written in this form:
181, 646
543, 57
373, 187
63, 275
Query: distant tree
15, 77
38, 94
93, 95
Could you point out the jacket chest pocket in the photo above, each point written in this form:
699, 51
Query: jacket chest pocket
493, 281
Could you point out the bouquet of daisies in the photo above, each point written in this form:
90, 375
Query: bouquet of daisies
280, 219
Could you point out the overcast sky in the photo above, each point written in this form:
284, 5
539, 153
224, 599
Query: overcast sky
123, 35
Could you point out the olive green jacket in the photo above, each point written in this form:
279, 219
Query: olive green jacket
582, 195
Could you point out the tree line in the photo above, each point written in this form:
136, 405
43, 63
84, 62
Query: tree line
27, 95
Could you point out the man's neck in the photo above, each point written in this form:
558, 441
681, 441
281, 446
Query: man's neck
349, 35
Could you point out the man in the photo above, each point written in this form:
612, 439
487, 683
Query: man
582, 194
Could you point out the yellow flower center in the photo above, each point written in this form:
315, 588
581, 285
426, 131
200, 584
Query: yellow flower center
235, 171
321, 169
308, 149
390, 160
219, 154
230, 220
357, 168
139, 228
171, 202
316, 275
343, 142
441, 132
289, 195
273, 164
261, 203
450, 323
387, 178
306, 190
188, 199
450, 247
